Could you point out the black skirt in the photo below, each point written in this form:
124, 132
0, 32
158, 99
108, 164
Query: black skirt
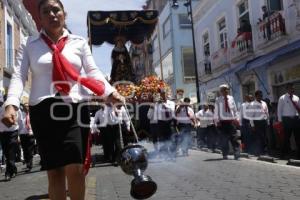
61, 131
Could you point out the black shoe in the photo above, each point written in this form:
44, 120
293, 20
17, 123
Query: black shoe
7, 177
225, 158
236, 157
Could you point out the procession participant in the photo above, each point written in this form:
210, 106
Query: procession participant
202, 125
116, 115
259, 119
55, 58
26, 137
9, 142
154, 129
288, 112
245, 124
212, 132
166, 114
226, 120
185, 118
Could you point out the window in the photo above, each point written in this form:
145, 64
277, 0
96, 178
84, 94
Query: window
167, 64
188, 63
9, 48
222, 33
166, 27
184, 21
243, 15
205, 40
274, 5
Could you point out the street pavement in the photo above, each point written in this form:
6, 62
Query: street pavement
201, 176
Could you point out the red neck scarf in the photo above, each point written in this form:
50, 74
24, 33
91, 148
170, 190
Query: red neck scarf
294, 103
63, 69
227, 109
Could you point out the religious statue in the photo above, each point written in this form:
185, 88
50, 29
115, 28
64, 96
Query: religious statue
121, 63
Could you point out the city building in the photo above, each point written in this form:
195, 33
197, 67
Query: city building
172, 46
249, 45
15, 24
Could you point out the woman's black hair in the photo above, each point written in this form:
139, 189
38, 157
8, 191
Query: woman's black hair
42, 2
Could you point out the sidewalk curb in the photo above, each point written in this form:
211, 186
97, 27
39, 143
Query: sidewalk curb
267, 159
293, 162
244, 155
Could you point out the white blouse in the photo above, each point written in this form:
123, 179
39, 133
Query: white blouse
34, 54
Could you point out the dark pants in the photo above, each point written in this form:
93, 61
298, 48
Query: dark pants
246, 135
259, 136
185, 137
168, 146
109, 135
154, 131
290, 125
228, 133
9, 142
27, 143
212, 137
201, 137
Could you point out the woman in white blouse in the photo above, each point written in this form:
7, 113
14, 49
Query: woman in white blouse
55, 58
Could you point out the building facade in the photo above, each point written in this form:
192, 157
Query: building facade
249, 45
173, 48
15, 24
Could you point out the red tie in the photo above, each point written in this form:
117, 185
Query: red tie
167, 112
27, 122
227, 109
62, 69
295, 104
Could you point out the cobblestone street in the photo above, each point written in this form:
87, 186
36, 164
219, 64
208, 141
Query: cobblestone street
201, 176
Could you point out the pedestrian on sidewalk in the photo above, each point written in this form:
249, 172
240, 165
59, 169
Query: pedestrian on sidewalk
59, 122
226, 120
202, 126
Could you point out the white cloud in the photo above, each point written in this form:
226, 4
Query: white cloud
76, 21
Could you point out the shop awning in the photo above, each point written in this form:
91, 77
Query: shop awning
104, 26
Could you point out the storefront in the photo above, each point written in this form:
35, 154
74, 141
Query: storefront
283, 73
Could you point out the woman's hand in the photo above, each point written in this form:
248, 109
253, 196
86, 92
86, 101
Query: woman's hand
10, 116
115, 97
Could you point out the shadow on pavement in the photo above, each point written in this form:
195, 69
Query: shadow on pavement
213, 159
38, 197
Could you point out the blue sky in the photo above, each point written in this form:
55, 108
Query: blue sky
76, 21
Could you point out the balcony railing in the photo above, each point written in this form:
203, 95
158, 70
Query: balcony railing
220, 59
242, 46
271, 29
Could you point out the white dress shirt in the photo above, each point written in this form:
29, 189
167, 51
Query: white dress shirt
4, 128
259, 111
34, 54
286, 108
182, 117
245, 111
168, 106
220, 113
200, 115
23, 129
101, 118
152, 113
209, 117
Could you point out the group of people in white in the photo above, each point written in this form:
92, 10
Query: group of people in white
171, 127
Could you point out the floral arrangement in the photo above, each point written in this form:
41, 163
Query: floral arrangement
145, 91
